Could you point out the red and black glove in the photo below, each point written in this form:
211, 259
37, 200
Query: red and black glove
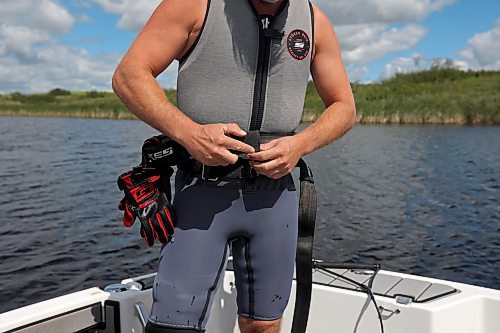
146, 200
160, 151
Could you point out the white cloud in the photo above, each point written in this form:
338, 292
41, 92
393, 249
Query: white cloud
379, 11
81, 3
32, 61
356, 73
51, 64
133, 13
19, 39
483, 51
56, 65
366, 31
363, 26
44, 15
402, 65
85, 18
418, 62
366, 43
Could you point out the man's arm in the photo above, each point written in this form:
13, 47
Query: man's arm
167, 35
280, 156
332, 84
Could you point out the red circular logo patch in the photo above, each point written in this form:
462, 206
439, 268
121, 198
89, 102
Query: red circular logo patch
298, 44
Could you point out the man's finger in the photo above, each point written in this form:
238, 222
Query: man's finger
234, 129
269, 145
228, 157
237, 145
267, 169
264, 167
264, 155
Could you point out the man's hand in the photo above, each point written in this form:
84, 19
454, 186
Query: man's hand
277, 158
210, 144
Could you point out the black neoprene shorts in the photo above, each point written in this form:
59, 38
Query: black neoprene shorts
258, 222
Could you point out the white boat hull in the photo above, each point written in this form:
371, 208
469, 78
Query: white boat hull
472, 309
467, 309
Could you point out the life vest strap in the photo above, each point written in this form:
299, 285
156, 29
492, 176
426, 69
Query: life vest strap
304, 259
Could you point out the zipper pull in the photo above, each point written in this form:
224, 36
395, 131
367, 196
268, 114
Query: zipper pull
273, 33
266, 21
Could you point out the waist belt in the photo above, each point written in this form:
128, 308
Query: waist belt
214, 173
168, 152
240, 169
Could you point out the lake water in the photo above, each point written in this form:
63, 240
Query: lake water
418, 199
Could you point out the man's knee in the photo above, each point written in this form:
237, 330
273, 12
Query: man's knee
153, 328
248, 325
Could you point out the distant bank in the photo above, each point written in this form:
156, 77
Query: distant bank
436, 96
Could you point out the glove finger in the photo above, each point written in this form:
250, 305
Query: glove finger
149, 241
155, 234
128, 217
167, 212
121, 204
146, 240
168, 218
161, 231
165, 219
147, 232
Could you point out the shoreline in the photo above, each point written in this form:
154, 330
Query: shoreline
439, 96
307, 118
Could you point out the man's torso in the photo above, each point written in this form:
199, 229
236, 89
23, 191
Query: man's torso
248, 68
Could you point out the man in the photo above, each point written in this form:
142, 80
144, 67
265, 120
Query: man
243, 66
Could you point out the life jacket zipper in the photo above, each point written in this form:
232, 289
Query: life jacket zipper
266, 36
259, 98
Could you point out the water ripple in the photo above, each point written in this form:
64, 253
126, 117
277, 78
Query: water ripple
417, 199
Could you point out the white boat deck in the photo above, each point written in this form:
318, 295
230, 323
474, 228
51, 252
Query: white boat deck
386, 285
409, 304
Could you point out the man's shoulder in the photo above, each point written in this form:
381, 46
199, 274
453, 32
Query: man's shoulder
322, 27
188, 11
320, 17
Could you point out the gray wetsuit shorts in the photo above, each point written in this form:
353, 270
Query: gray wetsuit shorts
256, 222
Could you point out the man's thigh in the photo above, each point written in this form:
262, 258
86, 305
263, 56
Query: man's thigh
189, 272
264, 261
191, 267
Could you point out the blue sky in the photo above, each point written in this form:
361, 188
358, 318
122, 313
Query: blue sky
76, 44
448, 32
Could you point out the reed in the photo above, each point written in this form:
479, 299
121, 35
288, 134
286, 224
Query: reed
436, 96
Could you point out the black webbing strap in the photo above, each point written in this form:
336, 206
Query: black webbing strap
304, 260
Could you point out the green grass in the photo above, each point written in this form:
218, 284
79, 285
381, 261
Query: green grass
436, 96
91, 104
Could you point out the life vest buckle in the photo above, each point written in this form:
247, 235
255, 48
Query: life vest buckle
205, 174
249, 174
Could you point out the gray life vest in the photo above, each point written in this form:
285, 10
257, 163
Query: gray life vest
248, 69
